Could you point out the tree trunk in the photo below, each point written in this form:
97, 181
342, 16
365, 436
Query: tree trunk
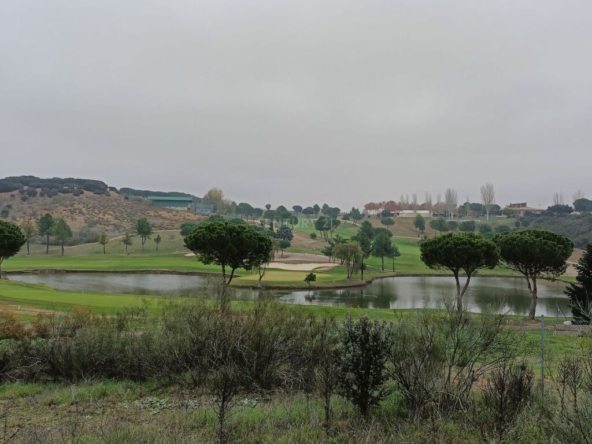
382, 257
362, 270
103, 249
534, 298
62, 248
47, 247
393, 264
261, 274
1, 260
466, 286
28, 252
458, 293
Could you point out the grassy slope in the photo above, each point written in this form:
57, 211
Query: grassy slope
41, 297
409, 262
171, 256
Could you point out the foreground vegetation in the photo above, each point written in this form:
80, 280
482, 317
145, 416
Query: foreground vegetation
265, 372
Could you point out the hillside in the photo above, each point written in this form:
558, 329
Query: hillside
88, 213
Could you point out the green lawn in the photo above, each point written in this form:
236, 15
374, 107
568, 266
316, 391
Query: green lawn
171, 257
38, 296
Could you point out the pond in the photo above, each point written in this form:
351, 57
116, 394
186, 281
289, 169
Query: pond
505, 294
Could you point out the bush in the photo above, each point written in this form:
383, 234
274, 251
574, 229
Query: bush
24, 198
361, 361
4, 213
11, 327
467, 226
313, 235
485, 229
32, 192
502, 229
7, 187
436, 360
509, 389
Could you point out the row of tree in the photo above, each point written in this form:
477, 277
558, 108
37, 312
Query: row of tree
448, 205
532, 253
368, 241
47, 226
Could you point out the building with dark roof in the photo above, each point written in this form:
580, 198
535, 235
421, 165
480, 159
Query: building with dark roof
175, 203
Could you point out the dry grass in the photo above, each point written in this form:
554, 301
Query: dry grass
112, 213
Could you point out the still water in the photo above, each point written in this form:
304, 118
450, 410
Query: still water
504, 294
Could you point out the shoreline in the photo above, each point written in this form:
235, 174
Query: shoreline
328, 286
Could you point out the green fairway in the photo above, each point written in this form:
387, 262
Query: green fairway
409, 262
41, 297
172, 257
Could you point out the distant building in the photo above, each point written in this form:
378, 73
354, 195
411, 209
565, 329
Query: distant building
518, 209
411, 213
175, 203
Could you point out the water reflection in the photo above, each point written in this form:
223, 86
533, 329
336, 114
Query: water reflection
506, 294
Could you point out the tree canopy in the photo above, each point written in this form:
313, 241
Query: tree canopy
29, 229
127, 240
458, 252
11, 240
308, 211
104, 240
355, 214
419, 223
533, 253
382, 247
580, 293
215, 197
45, 226
559, 210
283, 244
62, 231
144, 230
187, 228
230, 246
350, 254
467, 226
388, 221
439, 224
583, 205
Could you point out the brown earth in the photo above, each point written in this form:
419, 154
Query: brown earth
112, 213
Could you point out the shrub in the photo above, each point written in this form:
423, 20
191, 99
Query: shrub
24, 198
4, 213
509, 389
7, 187
11, 327
436, 361
313, 235
361, 361
485, 229
502, 229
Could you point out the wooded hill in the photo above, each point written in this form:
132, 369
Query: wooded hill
88, 206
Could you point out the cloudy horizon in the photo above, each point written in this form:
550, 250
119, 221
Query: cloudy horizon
304, 102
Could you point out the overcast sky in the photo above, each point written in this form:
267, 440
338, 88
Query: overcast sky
301, 102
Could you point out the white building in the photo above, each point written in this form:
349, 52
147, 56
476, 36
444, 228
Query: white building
411, 213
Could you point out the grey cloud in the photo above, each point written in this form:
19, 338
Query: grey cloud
301, 102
